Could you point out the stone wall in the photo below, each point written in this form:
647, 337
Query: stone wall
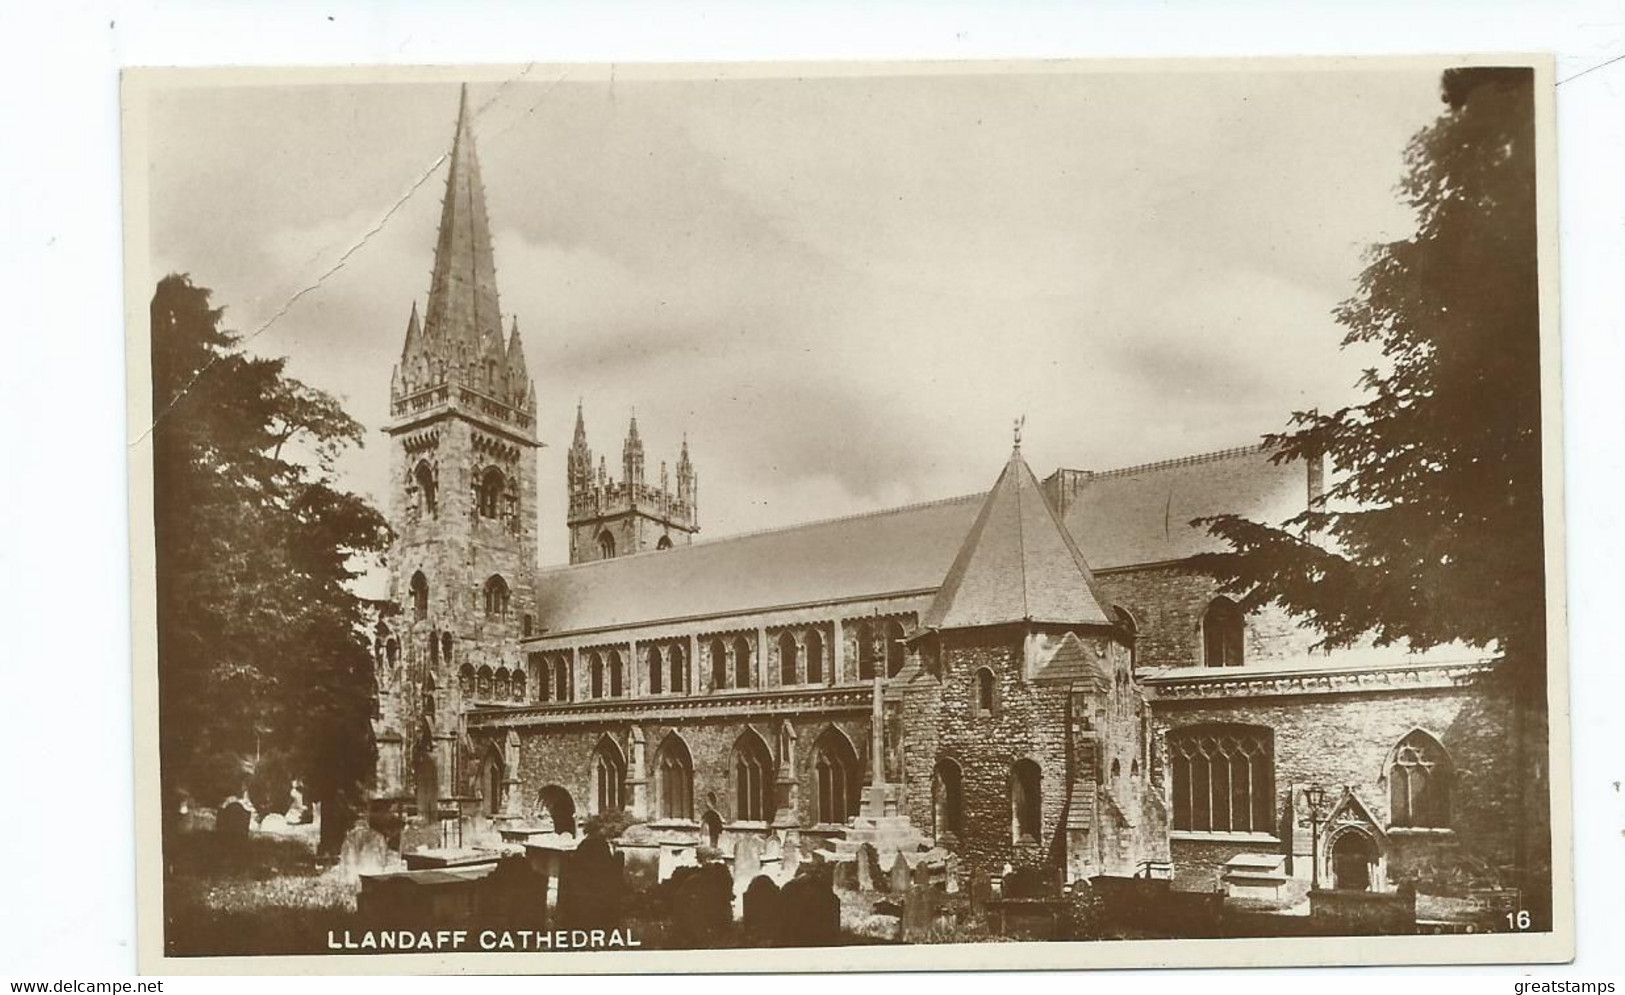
1168, 604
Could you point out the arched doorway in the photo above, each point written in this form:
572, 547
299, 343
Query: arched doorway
491, 778
559, 807
1353, 860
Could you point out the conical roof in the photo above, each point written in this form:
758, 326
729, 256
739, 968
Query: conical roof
1017, 564
463, 316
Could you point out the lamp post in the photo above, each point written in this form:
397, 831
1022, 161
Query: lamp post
1314, 797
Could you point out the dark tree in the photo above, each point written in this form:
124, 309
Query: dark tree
1431, 530
264, 671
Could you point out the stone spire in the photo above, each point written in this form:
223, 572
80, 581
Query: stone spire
519, 388
579, 460
687, 485
463, 322
632, 456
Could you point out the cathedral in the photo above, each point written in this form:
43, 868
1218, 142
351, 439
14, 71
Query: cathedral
1023, 677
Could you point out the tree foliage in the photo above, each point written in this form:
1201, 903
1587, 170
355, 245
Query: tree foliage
1431, 531
264, 670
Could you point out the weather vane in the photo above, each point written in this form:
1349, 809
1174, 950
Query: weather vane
1019, 423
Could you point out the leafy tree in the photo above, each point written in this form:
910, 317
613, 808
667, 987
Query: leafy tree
264, 671
1431, 530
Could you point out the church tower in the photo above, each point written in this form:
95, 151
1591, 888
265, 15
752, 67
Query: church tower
610, 518
462, 436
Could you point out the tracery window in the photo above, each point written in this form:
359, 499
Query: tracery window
1223, 779
496, 596
753, 779
489, 493
606, 545
609, 777
674, 779
1419, 783
835, 770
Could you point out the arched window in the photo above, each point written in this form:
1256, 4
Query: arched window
947, 799
544, 676
1026, 802
606, 545
664, 543
465, 680
1117, 771
753, 779
1224, 778
678, 661
674, 779
788, 671
986, 690
501, 686
1419, 783
616, 674
894, 648
428, 499
742, 668
835, 776
445, 647
719, 664
815, 657
869, 651
420, 596
595, 667
561, 679
656, 668
482, 683
490, 492
1124, 620
517, 685
496, 596
491, 783
608, 777
434, 649
1222, 628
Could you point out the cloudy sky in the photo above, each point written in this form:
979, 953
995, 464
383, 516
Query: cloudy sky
843, 289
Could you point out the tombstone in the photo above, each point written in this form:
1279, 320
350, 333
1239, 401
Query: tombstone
901, 876
981, 891
870, 877
809, 910
921, 903
591, 887
365, 851
789, 862
950, 873
1029, 882
298, 812
274, 822
233, 819
845, 874
763, 910
514, 895
747, 860
772, 849
700, 906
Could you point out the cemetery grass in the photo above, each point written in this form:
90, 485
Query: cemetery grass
257, 894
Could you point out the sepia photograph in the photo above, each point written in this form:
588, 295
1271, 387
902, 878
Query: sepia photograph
627, 518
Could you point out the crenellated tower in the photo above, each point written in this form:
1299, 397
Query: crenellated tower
609, 517
463, 443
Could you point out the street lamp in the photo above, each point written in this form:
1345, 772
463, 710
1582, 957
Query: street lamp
1314, 797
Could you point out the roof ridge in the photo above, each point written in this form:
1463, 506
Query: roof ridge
772, 530
1208, 457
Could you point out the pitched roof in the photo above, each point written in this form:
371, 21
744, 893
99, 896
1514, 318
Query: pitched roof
1017, 563
1123, 518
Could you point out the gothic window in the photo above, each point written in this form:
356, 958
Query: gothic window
868, 652
608, 777
787, 659
742, 668
985, 688
500, 686
1124, 620
674, 779
526, 623
544, 677
815, 657
517, 685
679, 670
595, 666
835, 766
1026, 802
561, 679
753, 779
616, 674
465, 680
496, 597
428, 499
1117, 771
489, 495
719, 664
606, 545
482, 683
1419, 783
656, 668
947, 799
1224, 778
894, 647
1222, 629
434, 650
664, 543
420, 596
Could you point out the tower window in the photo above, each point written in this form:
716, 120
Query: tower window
1026, 802
489, 496
984, 691
428, 502
606, 545
1222, 630
420, 596
496, 597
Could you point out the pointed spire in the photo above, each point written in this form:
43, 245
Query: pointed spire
463, 312
686, 484
1017, 564
581, 427
414, 332
632, 454
518, 370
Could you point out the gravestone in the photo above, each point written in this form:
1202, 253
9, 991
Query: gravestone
809, 910
274, 822
870, 877
981, 891
789, 862
901, 877
514, 895
950, 872
844, 874
591, 887
747, 860
1030, 882
233, 820
763, 910
921, 903
700, 906
365, 851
